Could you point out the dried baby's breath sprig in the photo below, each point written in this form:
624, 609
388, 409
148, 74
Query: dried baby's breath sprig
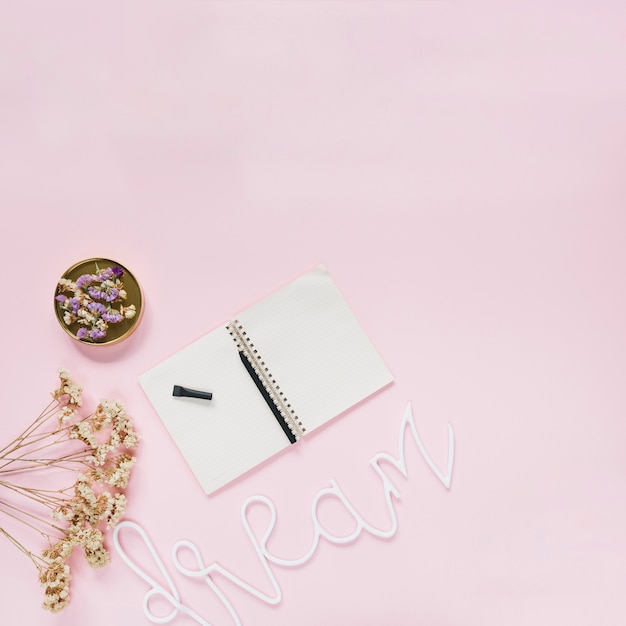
89, 460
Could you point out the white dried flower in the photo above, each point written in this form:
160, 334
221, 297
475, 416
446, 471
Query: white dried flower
66, 414
121, 473
79, 516
99, 557
117, 510
129, 311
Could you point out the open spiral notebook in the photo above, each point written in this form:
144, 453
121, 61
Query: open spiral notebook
277, 370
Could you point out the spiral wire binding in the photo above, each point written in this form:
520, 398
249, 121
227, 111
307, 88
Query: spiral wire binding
245, 345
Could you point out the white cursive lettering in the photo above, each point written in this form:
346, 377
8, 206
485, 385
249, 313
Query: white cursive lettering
207, 572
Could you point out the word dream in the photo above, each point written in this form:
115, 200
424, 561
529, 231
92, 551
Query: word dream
208, 573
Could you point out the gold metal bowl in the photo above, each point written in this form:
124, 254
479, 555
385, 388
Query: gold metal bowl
116, 331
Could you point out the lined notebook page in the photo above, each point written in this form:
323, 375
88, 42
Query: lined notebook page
224, 437
315, 348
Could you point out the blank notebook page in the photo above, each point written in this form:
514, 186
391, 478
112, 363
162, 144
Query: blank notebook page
226, 436
315, 348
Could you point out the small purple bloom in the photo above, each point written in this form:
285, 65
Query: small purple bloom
75, 304
61, 298
82, 332
96, 333
105, 274
96, 294
112, 318
85, 279
113, 294
118, 271
96, 307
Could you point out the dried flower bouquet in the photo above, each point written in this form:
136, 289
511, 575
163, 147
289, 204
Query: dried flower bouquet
81, 466
90, 301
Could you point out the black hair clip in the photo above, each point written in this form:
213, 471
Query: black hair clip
191, 393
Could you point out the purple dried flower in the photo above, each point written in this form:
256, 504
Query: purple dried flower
82, 332
96, 294
96, 307
61, 298
75, 304
117, 271
105, 274
113, 294
85, 279
112, 318
96, 333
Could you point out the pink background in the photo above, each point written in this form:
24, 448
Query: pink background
459, 168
